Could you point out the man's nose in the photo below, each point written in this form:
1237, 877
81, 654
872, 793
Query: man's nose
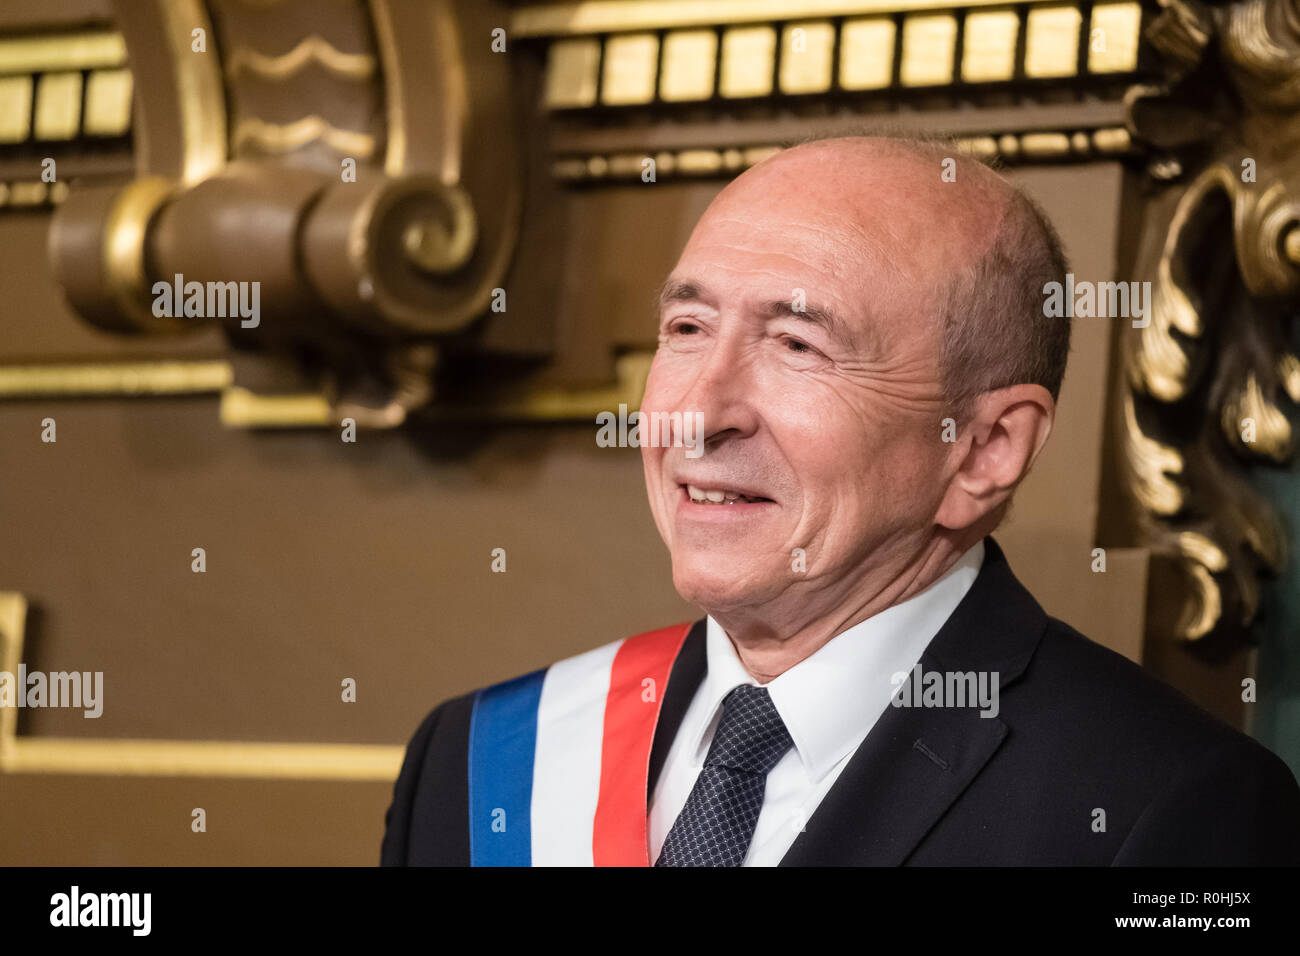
722, 393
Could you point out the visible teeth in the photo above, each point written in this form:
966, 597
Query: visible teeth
716, 496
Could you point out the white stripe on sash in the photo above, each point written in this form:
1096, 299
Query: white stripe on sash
566, 767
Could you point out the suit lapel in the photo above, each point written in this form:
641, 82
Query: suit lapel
683, 680
910, 768
916, 761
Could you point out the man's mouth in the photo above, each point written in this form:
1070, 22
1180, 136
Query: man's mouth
721, 496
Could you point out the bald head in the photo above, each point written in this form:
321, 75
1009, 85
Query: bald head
953, 248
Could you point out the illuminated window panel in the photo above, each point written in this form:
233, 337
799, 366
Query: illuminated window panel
28, 194
631, 65
108, 103
62, 51
989, 49
747, 54
15, 108
1045, 145
806, 53
571, 73
1113, 37
690, 60
1052, 41
628, 165
699, 161
866, 54
985, 147
58, 106
929, 46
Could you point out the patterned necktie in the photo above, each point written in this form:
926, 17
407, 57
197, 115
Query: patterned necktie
717, 823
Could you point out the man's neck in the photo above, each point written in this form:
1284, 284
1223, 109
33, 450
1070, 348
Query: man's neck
770, 640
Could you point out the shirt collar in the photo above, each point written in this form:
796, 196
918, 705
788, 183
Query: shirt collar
830, 699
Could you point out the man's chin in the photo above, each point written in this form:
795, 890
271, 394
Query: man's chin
715, 590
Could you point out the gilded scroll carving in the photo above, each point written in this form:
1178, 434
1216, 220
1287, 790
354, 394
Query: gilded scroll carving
1224, 127
326, 155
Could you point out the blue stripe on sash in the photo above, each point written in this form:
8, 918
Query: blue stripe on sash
502, 743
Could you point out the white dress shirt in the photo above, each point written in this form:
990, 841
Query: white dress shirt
828, 701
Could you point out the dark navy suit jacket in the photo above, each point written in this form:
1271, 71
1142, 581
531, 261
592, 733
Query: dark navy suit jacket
1080, 729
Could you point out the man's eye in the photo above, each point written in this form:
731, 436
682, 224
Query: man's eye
683, 328
796, 346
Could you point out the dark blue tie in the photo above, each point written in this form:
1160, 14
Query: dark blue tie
717, 823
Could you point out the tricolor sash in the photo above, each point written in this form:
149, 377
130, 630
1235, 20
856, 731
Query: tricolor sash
559, 759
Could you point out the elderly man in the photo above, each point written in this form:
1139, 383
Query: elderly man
863, 337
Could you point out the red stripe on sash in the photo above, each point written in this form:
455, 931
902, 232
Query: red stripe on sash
619, 833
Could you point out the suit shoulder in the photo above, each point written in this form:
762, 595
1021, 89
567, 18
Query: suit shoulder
1106, 679
1179, 785
429, 792
449, 712
1119, 701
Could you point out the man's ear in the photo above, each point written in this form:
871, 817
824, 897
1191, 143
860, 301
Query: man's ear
1006, 431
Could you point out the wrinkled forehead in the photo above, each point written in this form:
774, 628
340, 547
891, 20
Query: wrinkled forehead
828, 238
873, 236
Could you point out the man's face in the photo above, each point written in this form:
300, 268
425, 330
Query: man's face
828, 421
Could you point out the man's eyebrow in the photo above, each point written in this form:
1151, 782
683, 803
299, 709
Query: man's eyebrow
679, 290
826, 318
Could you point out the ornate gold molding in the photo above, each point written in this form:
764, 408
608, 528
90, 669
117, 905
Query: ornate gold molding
630, 54
527, 403
613, 16
13, 620
173, 758
1204, 374
279, 138
380, 173
418, 141
123, 249
241, 408
310, 49
202, 758
114, 378
1011, 148
199, 90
